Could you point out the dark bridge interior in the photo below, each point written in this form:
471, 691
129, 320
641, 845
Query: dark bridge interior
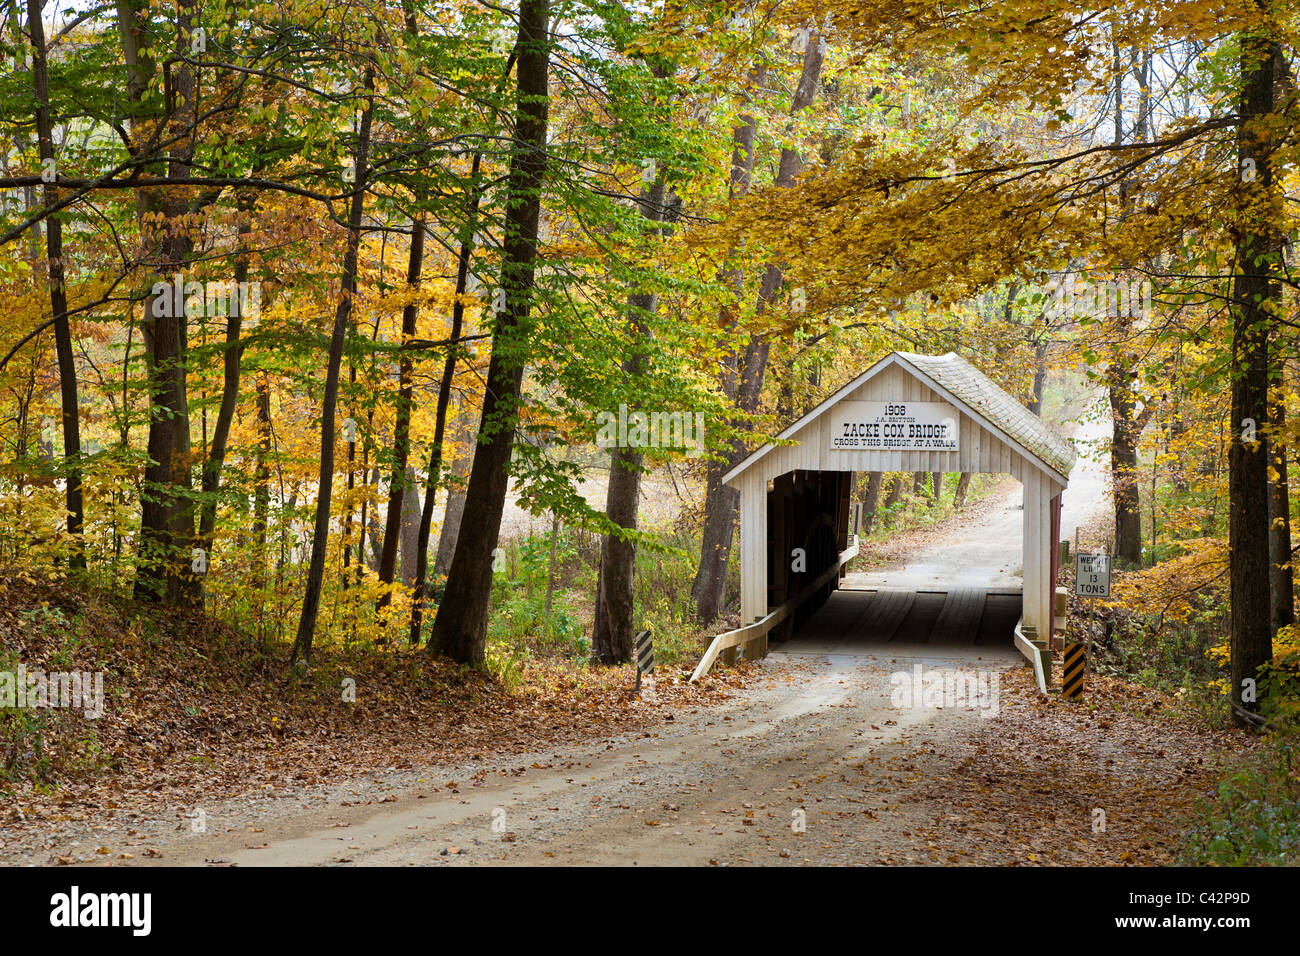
807, 510
808, 522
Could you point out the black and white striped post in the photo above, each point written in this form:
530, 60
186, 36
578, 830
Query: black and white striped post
645, 657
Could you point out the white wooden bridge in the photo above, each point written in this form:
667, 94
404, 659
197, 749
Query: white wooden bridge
907, 413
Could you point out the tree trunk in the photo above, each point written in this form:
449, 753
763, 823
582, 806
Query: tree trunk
420, 587
963, 486
720, 502
936, 488
167, 475
1126, 432
410, 533
183, 585
1281, 583
397, 489
1040, 376
262, 489
453, 513
614, 627
370, 520
58, 295
350, 499
896, 489
166, 515
1123, 466
1178, 429
871, 502
719, 527
1253, 290
460, 629
342, 316
440, 423
550, 567
234, 353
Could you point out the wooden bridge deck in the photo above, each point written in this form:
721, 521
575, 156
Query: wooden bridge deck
897, 620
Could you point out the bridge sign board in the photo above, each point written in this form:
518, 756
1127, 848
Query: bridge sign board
1092, 575
894, 426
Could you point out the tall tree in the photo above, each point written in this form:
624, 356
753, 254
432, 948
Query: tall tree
262, 482
402, 428
460, 629
1127, 422
58, 288
167, 518
715, 548
1281, 573
871, 501
612, 634
342, 320
1254, 293
419, 594
721, 502
231, 358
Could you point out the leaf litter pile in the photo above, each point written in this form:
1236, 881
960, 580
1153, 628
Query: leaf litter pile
1110, 780
195, 709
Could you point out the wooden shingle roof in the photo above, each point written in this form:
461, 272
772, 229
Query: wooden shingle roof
984, 397
967, 386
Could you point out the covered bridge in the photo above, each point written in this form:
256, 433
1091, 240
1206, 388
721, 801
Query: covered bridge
907, 413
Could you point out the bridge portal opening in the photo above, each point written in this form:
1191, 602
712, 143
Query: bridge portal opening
798, 524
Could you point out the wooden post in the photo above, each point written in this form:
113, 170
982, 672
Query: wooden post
1060, 612
753, 561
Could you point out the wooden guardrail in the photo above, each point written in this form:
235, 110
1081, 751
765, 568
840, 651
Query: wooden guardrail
743, 635
1037, 653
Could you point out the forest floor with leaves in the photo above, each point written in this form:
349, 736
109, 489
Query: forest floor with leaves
197, 714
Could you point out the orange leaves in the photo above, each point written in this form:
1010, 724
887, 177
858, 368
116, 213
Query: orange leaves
1169, 589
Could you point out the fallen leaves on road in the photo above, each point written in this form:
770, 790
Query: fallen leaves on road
1104, 782
199, 712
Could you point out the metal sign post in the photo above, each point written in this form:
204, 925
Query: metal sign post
1091, 580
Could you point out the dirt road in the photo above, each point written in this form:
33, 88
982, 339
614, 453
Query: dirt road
813, 764
793, 770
